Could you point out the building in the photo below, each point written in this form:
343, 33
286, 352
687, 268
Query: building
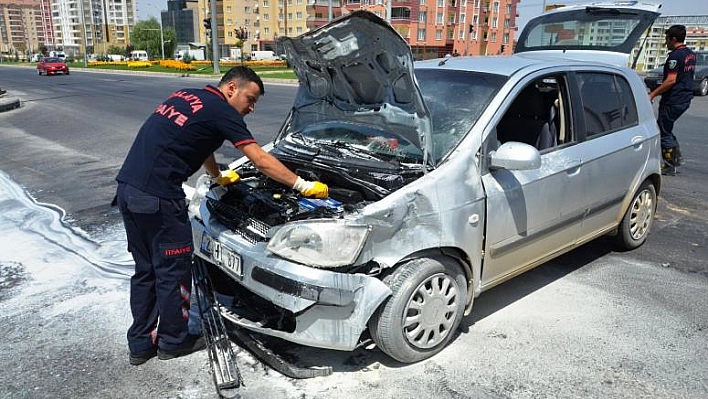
433, 28
93, 25
21, 29
651, 48
185, 18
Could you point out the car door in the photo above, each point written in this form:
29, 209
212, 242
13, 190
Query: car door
533, 214
614, 145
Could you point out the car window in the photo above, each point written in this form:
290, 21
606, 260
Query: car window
455, 100
701, 58
53, 59
608, 103
539, 115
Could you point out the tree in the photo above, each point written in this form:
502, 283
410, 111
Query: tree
146, 36
170, 42
113, 49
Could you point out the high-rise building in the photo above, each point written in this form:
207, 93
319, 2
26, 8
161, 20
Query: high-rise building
91, 24
21, 30
653, 49
433, 28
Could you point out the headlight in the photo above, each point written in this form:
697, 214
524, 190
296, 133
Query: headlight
319, 243
200, 191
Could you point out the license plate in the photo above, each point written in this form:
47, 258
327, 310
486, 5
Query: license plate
221, 255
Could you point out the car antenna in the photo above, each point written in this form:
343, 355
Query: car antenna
441, 63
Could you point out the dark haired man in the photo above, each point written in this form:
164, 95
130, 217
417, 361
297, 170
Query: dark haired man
676, 91
178, 138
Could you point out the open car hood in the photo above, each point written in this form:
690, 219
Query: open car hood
602, 31
358, 69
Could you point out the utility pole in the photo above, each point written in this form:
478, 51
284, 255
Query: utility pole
83, 24
214, 37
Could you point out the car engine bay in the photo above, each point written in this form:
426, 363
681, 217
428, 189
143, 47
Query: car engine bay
257, 203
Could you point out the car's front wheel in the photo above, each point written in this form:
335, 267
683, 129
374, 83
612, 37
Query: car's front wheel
634, 227
426, 306
39, 72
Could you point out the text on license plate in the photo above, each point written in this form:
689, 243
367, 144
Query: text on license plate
221, 254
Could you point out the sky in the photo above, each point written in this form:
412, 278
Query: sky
527, 8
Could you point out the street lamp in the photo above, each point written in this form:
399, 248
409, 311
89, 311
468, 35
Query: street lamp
162, 37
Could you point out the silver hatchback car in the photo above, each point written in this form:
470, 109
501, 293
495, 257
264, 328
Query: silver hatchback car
447, 177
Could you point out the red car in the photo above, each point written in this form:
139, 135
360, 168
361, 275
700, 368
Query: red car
52, 65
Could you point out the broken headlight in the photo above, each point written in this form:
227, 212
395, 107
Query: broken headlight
319, 243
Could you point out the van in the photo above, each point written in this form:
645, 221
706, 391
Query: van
139, 55
264, 55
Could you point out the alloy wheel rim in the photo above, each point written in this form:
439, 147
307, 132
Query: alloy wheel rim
431, 311
641, 214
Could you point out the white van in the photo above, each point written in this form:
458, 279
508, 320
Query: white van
264, 55
139, 55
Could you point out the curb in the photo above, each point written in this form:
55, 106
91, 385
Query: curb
8, 103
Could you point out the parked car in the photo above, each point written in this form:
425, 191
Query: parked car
446, 178
52, 65
700, 79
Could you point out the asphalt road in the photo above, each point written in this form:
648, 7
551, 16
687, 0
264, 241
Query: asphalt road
69, 139
592, 323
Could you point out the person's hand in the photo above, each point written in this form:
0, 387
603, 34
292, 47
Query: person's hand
311, 188
227, 177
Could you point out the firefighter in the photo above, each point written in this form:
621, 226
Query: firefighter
676, 91
178, 138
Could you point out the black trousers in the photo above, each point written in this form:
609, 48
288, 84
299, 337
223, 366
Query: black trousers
668, 114
160, 241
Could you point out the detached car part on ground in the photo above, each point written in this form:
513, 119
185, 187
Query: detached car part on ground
446, 179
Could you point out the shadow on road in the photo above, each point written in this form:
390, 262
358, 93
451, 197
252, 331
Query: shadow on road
487, 304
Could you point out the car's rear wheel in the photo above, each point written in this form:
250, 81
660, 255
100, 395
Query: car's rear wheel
703, 87
39, 72
634, 227
424, 310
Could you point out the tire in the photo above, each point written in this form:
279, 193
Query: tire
430, 290
636, 222
39, 72
702, 87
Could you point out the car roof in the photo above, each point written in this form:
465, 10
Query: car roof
504, 65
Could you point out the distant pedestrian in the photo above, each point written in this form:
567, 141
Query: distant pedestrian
676, 91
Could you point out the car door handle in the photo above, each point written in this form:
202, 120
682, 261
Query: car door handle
637, 141
573, 166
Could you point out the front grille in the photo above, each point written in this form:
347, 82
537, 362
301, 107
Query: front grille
250, 229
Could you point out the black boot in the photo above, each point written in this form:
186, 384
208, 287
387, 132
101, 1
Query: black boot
679, 158
670, 161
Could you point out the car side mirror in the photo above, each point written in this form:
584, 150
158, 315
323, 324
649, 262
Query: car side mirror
513, 155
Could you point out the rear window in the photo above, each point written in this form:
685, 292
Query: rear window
590, 28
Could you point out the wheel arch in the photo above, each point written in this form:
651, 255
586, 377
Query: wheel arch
472, 273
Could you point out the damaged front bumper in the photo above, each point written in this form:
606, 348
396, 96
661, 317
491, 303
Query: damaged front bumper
301, 304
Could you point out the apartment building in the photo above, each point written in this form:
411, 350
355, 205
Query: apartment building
21, 30
651, 48
92, 24
433, 28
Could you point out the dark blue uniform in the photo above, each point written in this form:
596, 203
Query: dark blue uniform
681, 62
170, 146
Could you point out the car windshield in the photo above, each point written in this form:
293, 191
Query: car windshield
53, 59
350, 140
455, 100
